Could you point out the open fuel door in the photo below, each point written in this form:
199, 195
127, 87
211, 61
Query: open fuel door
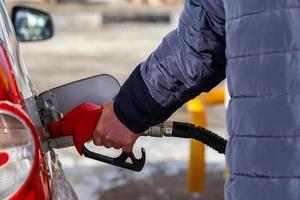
55, 103
98, 89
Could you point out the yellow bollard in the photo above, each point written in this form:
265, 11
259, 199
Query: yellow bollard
216, 96
196, 107
196, 171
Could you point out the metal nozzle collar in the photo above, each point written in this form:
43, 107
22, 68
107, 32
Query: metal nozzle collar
160, 130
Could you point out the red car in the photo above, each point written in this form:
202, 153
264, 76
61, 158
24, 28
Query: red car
29, 168
25, 169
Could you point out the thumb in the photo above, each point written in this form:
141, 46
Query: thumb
128, 148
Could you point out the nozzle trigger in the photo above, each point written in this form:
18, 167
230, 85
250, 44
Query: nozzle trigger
121, 161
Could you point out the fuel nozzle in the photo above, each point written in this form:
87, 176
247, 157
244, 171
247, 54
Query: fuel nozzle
79, 124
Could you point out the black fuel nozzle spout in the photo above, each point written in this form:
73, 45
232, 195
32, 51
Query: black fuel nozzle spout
187, 130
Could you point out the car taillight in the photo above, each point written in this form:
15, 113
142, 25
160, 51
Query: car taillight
17, 149
8, 86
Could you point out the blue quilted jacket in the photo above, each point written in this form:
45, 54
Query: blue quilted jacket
255, 44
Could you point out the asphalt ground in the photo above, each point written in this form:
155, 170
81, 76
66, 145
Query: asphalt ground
166, 187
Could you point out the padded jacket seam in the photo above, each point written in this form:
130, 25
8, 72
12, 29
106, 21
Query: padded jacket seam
264, 176
263, 53
264, 95
264, 136
231, 19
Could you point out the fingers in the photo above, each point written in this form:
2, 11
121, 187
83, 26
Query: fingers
98, 141
117, 146
107, 144
110, 132
101, 140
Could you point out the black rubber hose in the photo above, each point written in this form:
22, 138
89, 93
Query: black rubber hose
211, 139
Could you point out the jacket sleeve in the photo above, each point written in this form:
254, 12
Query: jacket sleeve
190, 60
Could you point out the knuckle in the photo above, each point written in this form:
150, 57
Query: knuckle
97, 141
108, 145
117, 146
108, 137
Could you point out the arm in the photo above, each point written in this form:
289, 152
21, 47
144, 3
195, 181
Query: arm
190, 60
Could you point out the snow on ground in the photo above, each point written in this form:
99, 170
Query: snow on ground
90, 182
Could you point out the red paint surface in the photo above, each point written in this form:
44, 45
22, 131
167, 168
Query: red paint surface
37, 185
4, 157
8, 82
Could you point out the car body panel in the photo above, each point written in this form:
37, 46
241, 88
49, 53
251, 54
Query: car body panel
39, 186
8, 38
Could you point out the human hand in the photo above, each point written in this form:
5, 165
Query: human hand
110, 132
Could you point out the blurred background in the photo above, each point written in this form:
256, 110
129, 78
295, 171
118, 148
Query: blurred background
113, 37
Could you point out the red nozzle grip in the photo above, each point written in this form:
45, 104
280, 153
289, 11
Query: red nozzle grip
79, 123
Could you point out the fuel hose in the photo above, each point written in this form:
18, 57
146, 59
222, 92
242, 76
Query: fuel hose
187, 130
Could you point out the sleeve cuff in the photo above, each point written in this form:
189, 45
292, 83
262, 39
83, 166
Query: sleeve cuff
135, 107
